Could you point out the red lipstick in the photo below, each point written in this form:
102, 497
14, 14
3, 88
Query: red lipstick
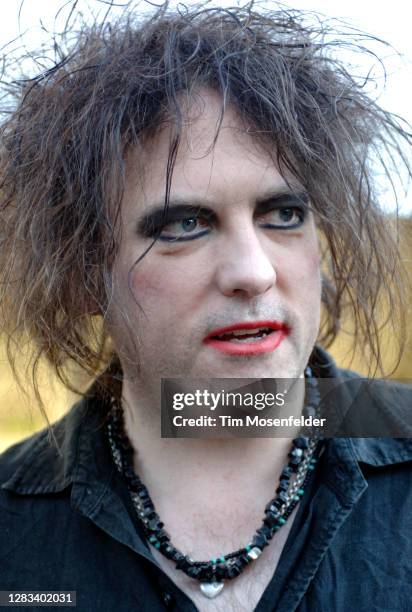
231, 341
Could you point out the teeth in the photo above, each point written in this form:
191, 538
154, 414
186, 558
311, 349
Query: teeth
246, 332
241, 335
254, 339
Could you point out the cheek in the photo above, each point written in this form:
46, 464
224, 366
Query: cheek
312, 262
151, 285
309, 263
299, 269
314, 255
165, 284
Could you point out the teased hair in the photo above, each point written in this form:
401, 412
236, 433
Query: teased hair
63, 147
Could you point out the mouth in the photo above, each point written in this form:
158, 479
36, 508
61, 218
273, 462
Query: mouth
250, 338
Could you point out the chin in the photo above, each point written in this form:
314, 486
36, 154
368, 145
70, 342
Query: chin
252, 367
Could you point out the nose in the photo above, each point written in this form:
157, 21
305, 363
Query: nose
244, 266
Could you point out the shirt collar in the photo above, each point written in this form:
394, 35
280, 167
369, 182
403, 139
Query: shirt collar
83, 457
37, 465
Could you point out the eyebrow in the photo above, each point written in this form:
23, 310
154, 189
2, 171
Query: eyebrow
179, 207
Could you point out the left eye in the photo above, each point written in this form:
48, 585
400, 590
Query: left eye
187, 228
283, 218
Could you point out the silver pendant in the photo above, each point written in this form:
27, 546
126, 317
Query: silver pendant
211, 589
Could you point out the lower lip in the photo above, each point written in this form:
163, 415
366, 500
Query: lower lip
254, 347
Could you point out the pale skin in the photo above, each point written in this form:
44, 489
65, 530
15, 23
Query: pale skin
210, 493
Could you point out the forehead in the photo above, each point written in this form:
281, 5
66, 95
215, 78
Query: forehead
235, 167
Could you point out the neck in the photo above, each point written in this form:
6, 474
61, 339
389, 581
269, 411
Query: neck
226, 462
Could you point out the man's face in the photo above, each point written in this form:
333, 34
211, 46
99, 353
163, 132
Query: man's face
248, 258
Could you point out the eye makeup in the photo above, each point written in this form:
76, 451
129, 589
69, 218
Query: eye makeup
153, 222
299, 200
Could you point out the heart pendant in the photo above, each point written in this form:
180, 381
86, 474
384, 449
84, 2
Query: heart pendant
211, 589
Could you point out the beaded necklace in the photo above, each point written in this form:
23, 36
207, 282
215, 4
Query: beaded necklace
212, 573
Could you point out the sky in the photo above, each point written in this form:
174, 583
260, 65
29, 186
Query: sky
387, 20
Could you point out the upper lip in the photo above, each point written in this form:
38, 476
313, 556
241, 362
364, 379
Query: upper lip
275, 325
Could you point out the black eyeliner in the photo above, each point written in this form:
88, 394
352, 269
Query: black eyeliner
299, 201
153, 222
286, 227
182, 238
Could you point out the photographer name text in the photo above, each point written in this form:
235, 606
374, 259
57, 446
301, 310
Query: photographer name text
247, 421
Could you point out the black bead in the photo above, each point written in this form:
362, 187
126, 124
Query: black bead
244, 559
286, 472
259, 540
204, 573
271, 519
129, 473
167, 550
282, 496
183, 564
154, 524
283, 486
194, 572
233, 571
301, 442
266, 532
218, 573
163, 536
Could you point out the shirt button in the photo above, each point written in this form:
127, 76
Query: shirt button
167, 600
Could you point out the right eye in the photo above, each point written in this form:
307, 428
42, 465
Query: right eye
187, 228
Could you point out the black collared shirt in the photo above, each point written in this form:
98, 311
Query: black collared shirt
67, 523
